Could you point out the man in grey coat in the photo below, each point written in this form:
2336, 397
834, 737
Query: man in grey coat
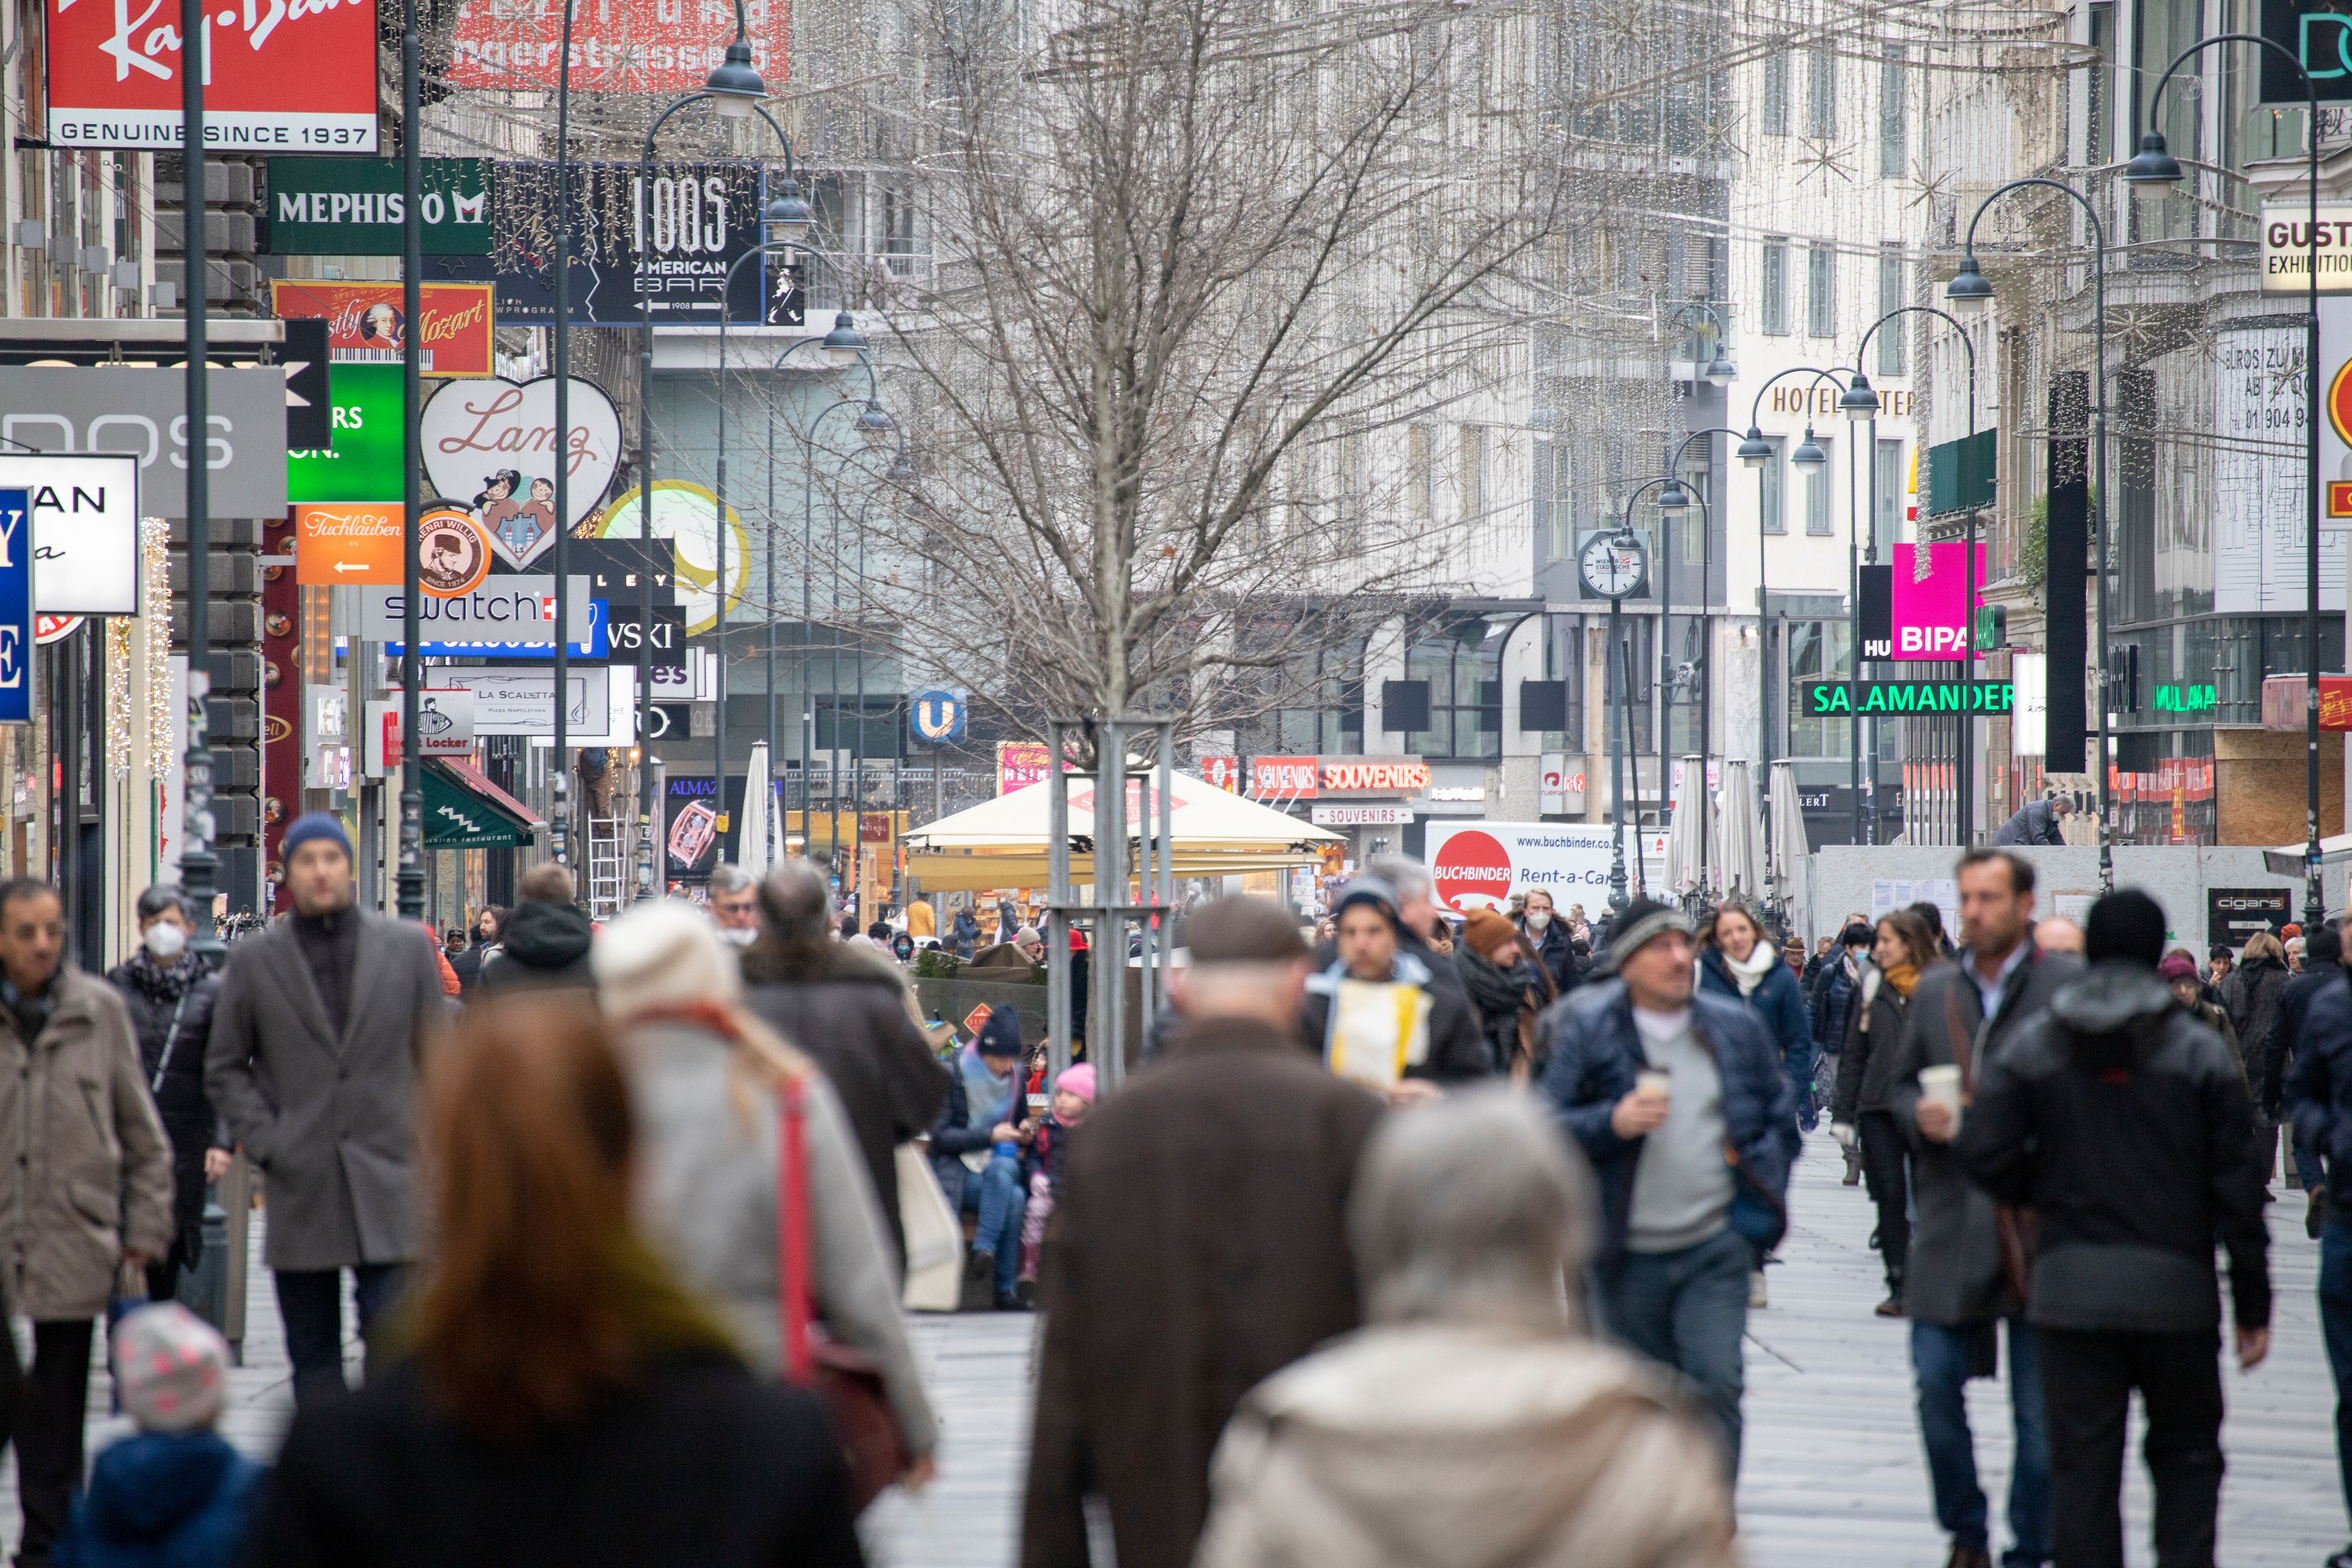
313, 1061
1955, 1293
2037, 822
92, 1191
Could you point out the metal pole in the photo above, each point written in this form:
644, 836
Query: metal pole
1705, 669
560, 834
1057, 899
1616, 766
1666, 657
1764, 684
719, 587
858, 772
1109, 1052
198, 865
844, 875
1971, 689
1865, 829
2314, 903
411, 667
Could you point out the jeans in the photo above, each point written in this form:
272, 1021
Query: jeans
2307, 1168
1939, 1362
1686, 1310
996, 1197
2336, 1331
310, 1303
50, 1411
2087, 1378
1799, 1067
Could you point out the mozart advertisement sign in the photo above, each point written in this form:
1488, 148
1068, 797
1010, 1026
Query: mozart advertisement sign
283, 76
490, 443
364, 324
647, 46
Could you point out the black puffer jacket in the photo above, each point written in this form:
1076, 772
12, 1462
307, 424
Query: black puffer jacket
172, 1009
545, 948
1871, 1057
2123, 1124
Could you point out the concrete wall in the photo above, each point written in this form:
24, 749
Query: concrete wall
1840, 875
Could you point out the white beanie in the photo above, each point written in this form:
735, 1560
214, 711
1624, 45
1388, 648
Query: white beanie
170, 1367
661, 954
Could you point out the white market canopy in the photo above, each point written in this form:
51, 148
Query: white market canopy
1003, 842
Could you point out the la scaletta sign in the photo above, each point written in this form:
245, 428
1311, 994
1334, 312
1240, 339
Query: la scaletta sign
281, 76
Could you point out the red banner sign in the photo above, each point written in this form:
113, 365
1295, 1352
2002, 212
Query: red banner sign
640, 46
1282, 778
1224, 772
284, 76
364, 324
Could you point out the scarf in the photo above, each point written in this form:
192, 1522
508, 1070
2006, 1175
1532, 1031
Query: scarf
157, 983
1903, 978
988, 1097
1751, 971
1496, 989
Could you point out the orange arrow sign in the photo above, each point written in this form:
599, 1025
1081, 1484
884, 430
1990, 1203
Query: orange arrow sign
351, 542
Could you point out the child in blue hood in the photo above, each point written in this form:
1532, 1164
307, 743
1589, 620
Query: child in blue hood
176, 1495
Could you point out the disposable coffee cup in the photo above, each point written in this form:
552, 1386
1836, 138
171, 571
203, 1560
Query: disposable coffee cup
1941, 1086
1654, 1081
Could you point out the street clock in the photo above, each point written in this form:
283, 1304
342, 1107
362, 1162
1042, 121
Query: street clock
1613, 565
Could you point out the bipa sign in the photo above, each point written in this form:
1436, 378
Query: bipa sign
1928, 641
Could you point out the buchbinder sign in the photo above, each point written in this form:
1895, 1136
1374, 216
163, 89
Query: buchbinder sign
15, 607
281, 76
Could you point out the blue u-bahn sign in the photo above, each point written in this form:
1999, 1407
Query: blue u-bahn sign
937, 717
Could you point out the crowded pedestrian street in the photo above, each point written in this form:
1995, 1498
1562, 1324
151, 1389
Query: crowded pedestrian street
1833, 1478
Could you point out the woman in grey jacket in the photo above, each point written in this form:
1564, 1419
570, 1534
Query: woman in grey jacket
705, 1074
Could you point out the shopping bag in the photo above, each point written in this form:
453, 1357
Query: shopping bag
934, 1237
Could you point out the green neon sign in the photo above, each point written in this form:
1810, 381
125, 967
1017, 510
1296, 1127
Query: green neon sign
1842, 699
2175, 698
364, 464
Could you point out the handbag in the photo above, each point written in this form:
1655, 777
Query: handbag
2014, 1227
849, 1384
934, 1238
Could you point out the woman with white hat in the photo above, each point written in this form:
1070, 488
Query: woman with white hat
711, 1085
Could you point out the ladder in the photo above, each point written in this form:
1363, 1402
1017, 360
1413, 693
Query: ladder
608, 859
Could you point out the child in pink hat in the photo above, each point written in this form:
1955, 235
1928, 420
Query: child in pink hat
1074, 1096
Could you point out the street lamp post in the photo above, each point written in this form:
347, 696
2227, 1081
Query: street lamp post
411, 399
843, 347
1675, 498
2154, 170
1969, 291
1755, 452
1861, 399
735, 88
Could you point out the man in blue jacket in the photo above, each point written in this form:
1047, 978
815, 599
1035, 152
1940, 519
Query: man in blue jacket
2319, 1105
1679, 1101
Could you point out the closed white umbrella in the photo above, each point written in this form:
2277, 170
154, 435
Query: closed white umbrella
1740, 851
1790, 849
1682, 872
755, 842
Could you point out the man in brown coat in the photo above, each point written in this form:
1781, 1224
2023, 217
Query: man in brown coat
92, 1189
1198, 1246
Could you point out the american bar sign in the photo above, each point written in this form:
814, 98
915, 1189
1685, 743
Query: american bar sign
1838, 699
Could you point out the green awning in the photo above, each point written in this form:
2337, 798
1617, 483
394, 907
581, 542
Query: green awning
464, 810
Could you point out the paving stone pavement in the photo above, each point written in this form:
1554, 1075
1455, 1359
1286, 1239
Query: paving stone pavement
1833, 1473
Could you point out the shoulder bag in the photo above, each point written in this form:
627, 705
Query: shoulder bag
2015, 1228
850, 1384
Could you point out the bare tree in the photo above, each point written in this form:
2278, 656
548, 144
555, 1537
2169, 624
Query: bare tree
1194, 260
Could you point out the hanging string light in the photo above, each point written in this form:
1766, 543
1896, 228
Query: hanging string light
119, 730
155, 593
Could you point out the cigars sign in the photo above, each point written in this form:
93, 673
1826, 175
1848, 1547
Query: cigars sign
282, 75
1336, 777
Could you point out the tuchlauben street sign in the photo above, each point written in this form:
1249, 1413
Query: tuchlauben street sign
1837, 699
353, 206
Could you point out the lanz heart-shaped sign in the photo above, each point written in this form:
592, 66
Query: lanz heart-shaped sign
489, 446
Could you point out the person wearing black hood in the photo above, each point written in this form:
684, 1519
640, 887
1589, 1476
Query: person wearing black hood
2251, 997
546, 938
2121, 1122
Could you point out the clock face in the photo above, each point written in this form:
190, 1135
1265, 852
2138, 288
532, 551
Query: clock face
1612, 565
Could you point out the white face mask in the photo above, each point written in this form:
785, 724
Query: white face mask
164, 941
1538, 918
741, 937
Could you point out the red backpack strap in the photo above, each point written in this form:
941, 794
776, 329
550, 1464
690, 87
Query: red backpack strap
792, 1233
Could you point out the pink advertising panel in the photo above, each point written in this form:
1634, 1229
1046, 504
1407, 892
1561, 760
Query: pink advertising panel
1930, 599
